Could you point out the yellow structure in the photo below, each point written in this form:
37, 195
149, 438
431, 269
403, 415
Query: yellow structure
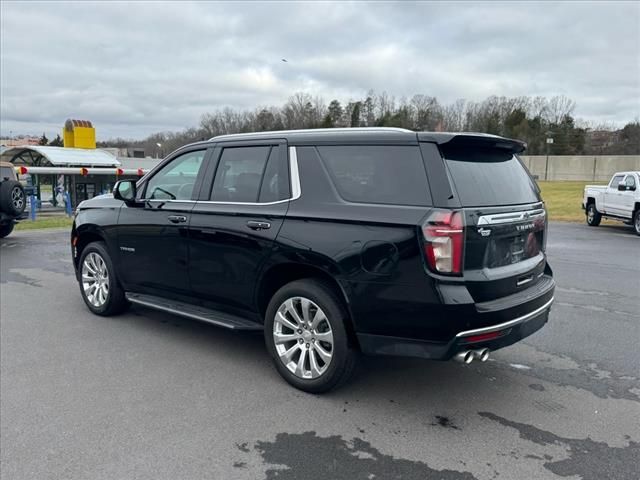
79, 134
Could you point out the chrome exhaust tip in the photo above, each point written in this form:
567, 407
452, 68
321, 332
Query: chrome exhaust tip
482, 355
465, 357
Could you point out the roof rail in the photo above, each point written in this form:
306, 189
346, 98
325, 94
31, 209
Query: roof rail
314, 130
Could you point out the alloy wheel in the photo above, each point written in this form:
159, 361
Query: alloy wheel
95, 279
17, 198
303, 338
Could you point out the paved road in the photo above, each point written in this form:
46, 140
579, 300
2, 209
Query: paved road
150, 396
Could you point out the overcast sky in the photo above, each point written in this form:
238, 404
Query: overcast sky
134, 68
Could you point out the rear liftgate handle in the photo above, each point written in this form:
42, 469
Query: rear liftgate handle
253, 225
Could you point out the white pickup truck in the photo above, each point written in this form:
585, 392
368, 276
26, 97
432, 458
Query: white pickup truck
620, 200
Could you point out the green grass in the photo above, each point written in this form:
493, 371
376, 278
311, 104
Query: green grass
564, 200
45, 222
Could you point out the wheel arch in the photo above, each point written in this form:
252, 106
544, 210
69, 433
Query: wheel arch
281, 274
83, 236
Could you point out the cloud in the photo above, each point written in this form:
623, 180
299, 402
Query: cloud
139, 67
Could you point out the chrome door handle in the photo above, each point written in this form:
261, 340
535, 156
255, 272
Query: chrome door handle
253, 225
177, 218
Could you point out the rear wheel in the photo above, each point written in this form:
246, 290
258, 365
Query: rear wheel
306, 336
6, 229
593, 216
99, 286
636, 222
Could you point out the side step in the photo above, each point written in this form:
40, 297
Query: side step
195, 312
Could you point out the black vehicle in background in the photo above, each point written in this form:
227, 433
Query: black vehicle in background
12, 199
333, 242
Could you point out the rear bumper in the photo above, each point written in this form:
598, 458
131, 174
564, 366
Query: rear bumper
504, 331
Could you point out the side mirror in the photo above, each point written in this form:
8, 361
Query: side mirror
125, 190
622, 187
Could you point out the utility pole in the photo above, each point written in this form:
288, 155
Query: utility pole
546, 165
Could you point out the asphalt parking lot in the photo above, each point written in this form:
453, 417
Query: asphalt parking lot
148, 395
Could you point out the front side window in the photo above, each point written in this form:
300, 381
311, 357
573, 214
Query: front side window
175, 181
239, 174
616, 180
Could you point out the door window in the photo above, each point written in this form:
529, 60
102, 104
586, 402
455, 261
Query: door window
275, 184
175, 181
239, 174
615, 181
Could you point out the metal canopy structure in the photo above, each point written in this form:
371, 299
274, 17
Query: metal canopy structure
41, 156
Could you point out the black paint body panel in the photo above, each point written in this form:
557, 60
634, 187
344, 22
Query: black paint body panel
373, 252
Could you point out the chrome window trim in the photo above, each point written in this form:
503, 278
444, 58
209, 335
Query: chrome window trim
510, 323
509, 217
294, 175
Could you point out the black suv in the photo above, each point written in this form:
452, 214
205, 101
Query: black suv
333, 242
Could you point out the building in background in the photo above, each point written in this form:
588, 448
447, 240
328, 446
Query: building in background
97, 169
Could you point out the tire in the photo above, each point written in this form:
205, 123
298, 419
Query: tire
636, 222
315, 374
6, 229
108, 297
593, 216
12, 198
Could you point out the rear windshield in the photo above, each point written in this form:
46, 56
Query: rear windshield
484, 177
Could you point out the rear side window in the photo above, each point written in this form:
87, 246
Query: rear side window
239, 174
392, 175
484, 177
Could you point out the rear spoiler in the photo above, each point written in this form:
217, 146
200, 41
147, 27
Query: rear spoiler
483, 140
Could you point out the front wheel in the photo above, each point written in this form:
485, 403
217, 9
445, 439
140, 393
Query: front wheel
99, 286
636, 222
306, 336
593, 216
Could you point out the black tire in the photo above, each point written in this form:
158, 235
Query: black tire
343, 359
115, 301
6, 229
593, 215
12, 198
636, 222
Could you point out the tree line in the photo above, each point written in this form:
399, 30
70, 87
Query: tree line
531, 119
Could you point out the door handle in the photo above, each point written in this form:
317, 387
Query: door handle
253, 225
177, 218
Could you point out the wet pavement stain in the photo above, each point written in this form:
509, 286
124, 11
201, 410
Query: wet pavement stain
445, 422
588, 459
338, 459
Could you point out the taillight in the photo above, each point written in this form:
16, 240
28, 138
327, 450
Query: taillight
444, 241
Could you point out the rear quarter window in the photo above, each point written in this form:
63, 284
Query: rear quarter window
486, 177
6, 173
386, 174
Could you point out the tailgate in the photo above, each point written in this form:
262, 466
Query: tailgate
504, 250
505, 219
